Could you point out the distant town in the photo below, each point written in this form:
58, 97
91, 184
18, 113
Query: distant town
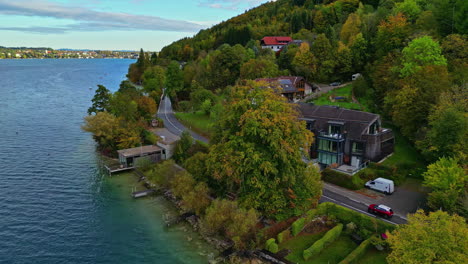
48, 53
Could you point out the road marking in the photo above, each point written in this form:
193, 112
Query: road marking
358, 210
165, 114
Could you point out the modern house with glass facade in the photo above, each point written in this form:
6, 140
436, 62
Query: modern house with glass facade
346, 137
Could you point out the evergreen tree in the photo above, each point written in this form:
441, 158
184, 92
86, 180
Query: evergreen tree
101, 100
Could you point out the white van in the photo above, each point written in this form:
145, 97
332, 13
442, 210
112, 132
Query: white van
381, 184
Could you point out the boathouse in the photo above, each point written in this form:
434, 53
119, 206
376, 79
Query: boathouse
129, 157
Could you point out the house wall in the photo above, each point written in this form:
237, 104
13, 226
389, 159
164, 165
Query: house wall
169, 149
273, 47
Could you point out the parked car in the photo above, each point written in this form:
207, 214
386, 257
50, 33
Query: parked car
381, 210
381, 184
335, 83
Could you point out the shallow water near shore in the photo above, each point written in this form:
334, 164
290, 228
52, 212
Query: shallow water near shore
55, 204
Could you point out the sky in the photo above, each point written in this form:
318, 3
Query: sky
110, 24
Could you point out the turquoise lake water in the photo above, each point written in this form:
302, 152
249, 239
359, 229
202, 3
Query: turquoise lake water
55, 204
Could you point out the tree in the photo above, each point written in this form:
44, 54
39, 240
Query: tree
350, 28
182, 146
391, 34
304, 63
434, 238
101, 100
323, 52
411, 104
359, 51
421, 52
448, 127
344, 61
257, 153
258, 68
448, 182
455, 49
154, 78
174, 79
146, 107
103, 126
409, 8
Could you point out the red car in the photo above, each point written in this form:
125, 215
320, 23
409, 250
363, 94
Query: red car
380, 209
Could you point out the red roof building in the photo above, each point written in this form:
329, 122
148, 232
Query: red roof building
275, 43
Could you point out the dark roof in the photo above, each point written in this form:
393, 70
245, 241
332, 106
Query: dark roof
132, 152
355, 122
276, 40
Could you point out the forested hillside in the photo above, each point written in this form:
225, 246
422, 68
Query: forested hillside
413, 55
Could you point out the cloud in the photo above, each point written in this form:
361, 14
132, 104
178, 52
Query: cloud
88, 19
230, 4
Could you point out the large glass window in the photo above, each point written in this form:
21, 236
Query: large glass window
330, 146
357, 148
326, 158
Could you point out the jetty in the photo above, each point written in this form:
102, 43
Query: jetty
142, 193
116, 169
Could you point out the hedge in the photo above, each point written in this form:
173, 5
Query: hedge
341, 179
357, 253
326, 240
345, 215
283, 236
271, 245
297, 226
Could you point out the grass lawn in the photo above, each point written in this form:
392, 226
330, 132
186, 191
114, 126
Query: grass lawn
197, 121
298, 244
373, 256
334, 253
345, 91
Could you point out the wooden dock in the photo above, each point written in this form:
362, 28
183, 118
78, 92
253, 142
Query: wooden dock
142, 193
117, 169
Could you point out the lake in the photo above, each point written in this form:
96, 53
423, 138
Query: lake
56, 206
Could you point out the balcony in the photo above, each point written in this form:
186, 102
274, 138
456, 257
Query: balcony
326, 135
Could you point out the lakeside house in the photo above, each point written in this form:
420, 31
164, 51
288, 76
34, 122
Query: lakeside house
346, 139
275, 43
167, 141
292, 87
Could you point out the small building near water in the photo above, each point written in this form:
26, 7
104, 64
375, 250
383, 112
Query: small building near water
129, 157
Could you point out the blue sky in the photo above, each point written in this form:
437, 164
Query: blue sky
110, 24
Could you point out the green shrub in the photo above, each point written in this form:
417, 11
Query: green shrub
184, 106
297, 226
283, 236
326, 240
271, 245
311, 214
313, 250
350, 227
342, 179
357, 253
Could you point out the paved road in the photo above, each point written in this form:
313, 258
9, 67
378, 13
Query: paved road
354, 202
166, 113
331, 193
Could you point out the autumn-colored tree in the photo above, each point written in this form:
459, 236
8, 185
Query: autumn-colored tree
391, 34
103, 126
419, 53
324, 54
344, 61
146, 107
350, 28
257, 153
304, 62
448, 182
258, 68
434, 238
